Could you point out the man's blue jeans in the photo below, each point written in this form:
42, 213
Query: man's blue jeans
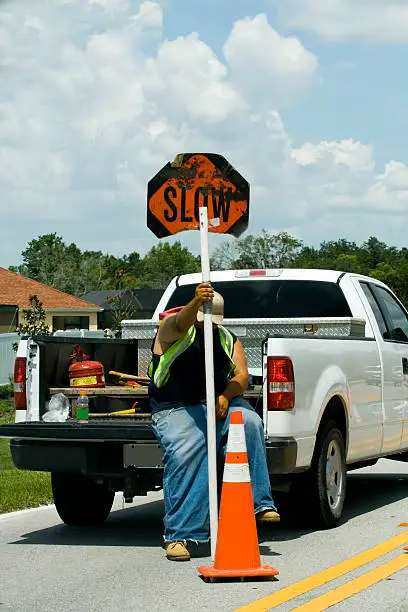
182, 433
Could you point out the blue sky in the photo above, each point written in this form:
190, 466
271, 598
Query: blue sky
364, 94
307, 98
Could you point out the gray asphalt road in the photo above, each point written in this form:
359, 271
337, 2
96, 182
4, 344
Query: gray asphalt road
46, 566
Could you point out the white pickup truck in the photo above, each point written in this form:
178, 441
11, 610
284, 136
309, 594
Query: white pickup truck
328, 357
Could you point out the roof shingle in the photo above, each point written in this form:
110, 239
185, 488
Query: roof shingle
16, 289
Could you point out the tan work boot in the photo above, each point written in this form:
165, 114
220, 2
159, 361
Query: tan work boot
267, 516
177, 551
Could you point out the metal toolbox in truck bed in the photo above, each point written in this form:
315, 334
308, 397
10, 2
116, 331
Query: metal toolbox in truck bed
252, 332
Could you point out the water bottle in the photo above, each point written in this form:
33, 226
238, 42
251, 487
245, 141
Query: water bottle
82, 406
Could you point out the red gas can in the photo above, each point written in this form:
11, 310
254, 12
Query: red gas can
83, 372
87, 374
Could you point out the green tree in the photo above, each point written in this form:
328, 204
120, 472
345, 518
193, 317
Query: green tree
132, 264
39, 251
336, 255
396, 278
97, 271
333, 248
122, 307
385, 273
308, 257
347, 263
224, 256
49, 260
164, 261
402, 288
374, 252
34, 319
265, 250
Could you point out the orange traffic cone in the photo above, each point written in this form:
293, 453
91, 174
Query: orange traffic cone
237, 550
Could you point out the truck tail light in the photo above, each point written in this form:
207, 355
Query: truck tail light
257, 273
20, 372
264, 272
281, 384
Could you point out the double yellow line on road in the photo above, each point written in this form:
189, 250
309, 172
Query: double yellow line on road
336, 571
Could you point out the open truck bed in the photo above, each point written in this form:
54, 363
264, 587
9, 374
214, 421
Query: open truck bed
118, 451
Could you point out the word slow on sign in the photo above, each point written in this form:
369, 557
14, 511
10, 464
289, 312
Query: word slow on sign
179, 189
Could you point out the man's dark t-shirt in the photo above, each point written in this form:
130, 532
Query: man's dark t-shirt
186, 384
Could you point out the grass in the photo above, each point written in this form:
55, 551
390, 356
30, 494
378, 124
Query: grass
19, 489
6, 411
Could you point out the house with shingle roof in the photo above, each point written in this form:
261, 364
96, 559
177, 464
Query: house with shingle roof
63, 311
144, 302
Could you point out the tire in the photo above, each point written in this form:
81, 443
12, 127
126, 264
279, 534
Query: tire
79, 500
319, 494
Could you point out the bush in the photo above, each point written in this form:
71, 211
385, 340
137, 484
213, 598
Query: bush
6, 391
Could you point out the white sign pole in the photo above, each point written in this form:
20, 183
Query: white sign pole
209, 378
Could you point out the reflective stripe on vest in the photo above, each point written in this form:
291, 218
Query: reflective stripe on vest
227, 343
162, 373
227, 340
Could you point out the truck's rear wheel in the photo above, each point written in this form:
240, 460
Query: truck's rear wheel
80, 500
319, 494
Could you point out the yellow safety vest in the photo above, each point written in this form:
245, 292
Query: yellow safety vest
162, 373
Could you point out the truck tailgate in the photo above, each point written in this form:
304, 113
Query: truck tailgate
101, 431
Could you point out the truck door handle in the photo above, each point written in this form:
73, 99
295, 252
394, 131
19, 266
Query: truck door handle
404, 365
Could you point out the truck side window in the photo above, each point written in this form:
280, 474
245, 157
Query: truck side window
376, 311
397, 317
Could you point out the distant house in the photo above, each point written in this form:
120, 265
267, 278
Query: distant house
144, 301
63, 311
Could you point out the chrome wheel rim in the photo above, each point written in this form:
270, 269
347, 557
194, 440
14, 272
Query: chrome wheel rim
334, 474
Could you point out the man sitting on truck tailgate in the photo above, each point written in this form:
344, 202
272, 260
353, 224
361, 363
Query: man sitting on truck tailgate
177, 398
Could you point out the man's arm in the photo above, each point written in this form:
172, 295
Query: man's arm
188, 315
175, 326
237, 385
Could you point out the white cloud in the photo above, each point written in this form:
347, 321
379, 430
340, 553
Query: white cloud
354, 155
382, 21
187, 72
395, 177
150, 16
389, 193
94, 101
263, 62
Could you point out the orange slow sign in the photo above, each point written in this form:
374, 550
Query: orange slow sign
178, 190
